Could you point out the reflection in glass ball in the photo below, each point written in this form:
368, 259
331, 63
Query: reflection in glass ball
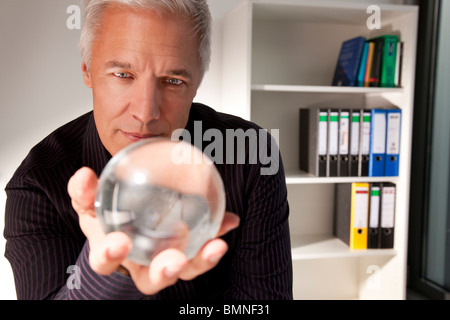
162, 194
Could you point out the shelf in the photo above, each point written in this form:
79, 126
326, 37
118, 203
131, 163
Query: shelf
323, 89
280, 57
326, 12
301, 177
309, 247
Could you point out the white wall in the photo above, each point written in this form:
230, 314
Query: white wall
41, 85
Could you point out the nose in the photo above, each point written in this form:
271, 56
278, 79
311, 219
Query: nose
146, 102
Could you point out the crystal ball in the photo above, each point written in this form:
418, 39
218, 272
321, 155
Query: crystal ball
162, 194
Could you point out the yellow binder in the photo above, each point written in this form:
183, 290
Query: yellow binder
359, 216
351, 223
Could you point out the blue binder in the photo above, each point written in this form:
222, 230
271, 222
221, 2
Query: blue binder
393, 133
377, 155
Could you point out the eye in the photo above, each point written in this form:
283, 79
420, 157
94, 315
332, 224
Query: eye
174, 81
122, 75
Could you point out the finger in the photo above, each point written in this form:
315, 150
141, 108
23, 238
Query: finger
82, 188
108, 253
207, 258
162, 272
230, 221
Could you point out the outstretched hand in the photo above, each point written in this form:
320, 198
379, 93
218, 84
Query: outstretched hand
109, 251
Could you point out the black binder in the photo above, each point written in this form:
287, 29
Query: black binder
375, 75
373, 234
387, 215
355, 143
333, 142
365, 142
313, 141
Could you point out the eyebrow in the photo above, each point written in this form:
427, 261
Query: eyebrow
118, 64
184, 73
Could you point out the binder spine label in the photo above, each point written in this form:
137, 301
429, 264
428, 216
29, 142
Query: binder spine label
361, 207
379, 139
374, 208
322, 140
388, 207
393, 133
366, 123
333, 133
344, 133
354, 145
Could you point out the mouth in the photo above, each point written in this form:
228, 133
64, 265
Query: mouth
135, 137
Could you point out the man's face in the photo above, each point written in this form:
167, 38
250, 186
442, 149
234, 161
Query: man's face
144, 75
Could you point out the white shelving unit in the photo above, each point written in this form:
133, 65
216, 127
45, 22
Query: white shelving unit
280, 57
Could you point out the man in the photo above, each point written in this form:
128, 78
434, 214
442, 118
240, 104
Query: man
144, 61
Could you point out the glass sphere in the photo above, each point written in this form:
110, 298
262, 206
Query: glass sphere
162, 194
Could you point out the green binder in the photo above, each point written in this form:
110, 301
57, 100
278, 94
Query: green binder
389, 60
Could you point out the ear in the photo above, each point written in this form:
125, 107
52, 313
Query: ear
86, 75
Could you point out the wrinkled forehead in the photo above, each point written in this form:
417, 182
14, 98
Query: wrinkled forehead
116, 13
144, 34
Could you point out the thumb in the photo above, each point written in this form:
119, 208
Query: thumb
82, 188
108, 253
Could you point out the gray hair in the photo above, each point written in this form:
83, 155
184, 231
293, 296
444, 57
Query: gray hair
196, 11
